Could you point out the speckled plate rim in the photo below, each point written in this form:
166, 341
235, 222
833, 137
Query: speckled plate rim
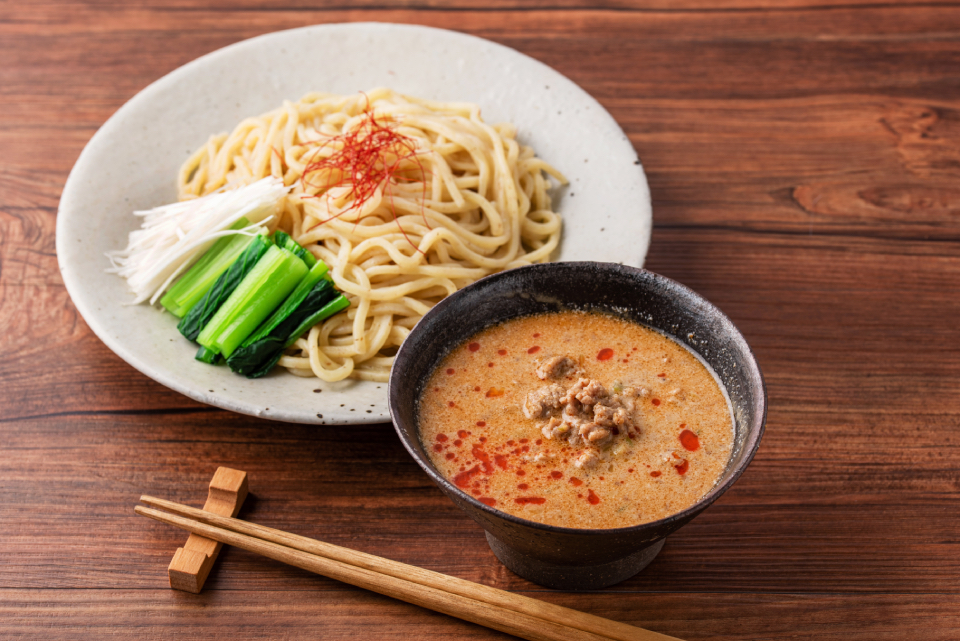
130, 163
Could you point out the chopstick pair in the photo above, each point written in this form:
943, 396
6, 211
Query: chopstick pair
511, 613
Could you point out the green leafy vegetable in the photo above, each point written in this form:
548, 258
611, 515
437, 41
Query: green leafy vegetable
261, 351
282, 239
198, 280
271, 280
200, 314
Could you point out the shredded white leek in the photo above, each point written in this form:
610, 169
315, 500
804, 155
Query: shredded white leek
173, 236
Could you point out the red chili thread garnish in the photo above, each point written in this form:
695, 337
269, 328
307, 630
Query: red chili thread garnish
605, 354
370, 157
689, 441
655, 474
682, 468
527, 500
592, 498
575, 482
534, 349
655, 401
473, 347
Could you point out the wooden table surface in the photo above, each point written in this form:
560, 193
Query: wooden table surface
804, 162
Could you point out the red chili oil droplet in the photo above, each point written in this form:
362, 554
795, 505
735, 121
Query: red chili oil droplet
450, 370
630, 470
450, 456
483, 439
462, 480
481, 424
458, 442
524, 440
662, 375
537, 335
476, 388
534, 349
473, 347
527, 500
486, 500
682, 468
521, 473
539, 441
605, 354
501, 461
655, 401
689, 441
592, 498
451, 404
525, 448
575, 482
556, 474
502, 352
437, 447
442, 437
522, 486
489, 364
655, 473
436, 389
510, 443
463, 433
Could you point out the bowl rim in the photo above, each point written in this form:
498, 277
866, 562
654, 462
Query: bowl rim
680, 517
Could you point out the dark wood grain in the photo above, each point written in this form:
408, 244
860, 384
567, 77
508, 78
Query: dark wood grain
804, 162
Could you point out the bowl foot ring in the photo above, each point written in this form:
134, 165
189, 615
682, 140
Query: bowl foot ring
574, 577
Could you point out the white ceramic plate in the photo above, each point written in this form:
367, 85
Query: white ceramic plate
131, 163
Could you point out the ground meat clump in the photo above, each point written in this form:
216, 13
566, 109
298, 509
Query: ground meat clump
586, 414
541, 402
558, 367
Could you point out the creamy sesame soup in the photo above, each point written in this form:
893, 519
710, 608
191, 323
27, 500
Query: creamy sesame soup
577, 419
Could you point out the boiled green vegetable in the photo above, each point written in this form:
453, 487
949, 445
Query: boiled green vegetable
198, 280
271, 280
261, 351
200, 314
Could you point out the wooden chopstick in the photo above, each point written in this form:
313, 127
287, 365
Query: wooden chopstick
515, 614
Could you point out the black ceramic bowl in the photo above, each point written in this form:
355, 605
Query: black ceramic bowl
572, 558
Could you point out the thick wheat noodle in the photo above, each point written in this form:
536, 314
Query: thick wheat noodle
470, 202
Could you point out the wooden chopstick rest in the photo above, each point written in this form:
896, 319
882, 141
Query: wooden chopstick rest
192, 563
